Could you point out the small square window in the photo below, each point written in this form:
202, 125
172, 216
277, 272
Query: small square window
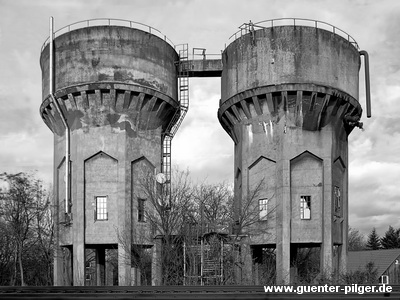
101, 208
141, 209
263, 209
305, 207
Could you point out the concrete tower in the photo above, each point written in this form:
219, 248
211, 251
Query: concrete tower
109, 93
289, 102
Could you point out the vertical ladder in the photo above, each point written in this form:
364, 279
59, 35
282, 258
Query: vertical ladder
179, 115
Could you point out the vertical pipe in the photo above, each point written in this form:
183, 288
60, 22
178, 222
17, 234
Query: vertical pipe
184, 262
222, 262
51, 37
201, 259
367, 82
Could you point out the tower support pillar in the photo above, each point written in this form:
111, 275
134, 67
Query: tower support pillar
100, 266
156, 267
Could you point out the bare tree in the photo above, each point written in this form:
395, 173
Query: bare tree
213, 204
248, 222
194, 223
169, 207
6, 253
225, 233
356, 240
24, 207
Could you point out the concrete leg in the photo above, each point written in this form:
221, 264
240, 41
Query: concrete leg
109, 268
58, 275
156, 267
326, 260
237, 270
293, 264
247, 272
256, 274
100, 266
79, 264
283, 259
342, 259
124, 264
135, 277
257, 257
68, 280
283, 230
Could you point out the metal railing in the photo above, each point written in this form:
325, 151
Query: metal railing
246, 28
108, 22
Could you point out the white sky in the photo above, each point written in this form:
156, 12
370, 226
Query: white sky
201, 145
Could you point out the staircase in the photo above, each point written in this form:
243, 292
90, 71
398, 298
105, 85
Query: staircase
180, 113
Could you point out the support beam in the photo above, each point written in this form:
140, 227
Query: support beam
205, 68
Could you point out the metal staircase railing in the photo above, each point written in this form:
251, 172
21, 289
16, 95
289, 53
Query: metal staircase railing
180, 113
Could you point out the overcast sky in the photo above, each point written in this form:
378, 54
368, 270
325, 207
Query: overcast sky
201, 145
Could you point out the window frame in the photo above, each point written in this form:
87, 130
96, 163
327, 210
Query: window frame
263, 206
384, 279
141, 210
305, 204
103, 210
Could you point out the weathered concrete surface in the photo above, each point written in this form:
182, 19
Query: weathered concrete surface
111, 54
203, 67
288, 54
285, 92
117, 88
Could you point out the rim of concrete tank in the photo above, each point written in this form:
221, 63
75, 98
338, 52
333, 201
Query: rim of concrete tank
246, 28
108, 22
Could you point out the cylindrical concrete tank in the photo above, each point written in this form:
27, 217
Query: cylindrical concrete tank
289, 102
116, 86
287, 55
118, 59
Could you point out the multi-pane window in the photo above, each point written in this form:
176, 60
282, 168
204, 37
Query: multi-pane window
141, 209
337, 202
263, 209
305, 207
101, 208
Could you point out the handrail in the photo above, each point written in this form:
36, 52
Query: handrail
109, 22
247, 27
206, 56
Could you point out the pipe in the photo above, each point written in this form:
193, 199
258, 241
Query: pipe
184, 262
63, 119
367, 82
51, 62
67, 152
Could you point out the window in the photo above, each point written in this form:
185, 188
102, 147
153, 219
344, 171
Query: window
263, 207
141, 207
384, 279
101, 208
305, 207
338, 202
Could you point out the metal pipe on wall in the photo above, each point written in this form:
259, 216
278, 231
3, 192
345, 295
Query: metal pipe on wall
367, 82
64, 120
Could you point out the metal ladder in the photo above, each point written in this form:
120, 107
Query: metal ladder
180, 113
